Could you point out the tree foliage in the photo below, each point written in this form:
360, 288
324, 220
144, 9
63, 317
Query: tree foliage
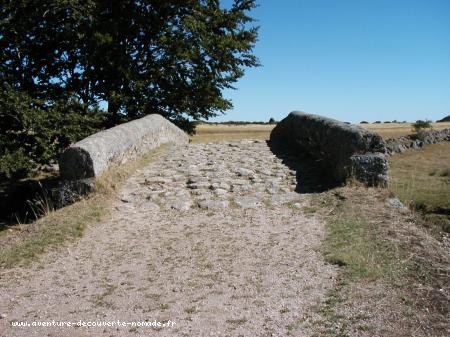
63, 59
32, 133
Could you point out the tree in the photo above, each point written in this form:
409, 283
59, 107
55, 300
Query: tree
135, 57
170, 57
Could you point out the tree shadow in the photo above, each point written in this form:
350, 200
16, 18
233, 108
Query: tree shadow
312, 176
18, 199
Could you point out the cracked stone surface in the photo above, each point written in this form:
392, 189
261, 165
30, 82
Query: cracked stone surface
210, 236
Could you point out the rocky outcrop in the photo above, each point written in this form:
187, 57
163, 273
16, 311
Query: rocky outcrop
90, 157
416, 141
342, 149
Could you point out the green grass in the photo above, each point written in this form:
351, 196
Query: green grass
422, 177
356, 244
357, 240
100, 300
190, 310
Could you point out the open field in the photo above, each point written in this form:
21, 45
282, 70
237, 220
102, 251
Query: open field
211, 133
393, 130
423, 176
222, 132
421, 179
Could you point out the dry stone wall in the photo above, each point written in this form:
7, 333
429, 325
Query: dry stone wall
344, 150
416, 141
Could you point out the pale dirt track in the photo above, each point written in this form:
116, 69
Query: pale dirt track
210, 236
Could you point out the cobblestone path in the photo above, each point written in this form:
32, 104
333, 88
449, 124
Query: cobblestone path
212, 237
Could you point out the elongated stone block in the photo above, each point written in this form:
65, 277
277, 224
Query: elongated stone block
90, 157
338, 147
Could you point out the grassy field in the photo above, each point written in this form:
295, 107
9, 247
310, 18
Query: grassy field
211, 133
390, 280
423, 176
421, 179
393, 130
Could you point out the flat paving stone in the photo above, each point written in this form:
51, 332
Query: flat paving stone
284, 198
213, 204
181, 205
246, 202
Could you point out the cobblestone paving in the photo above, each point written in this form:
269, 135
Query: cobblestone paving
210, 236
214, 176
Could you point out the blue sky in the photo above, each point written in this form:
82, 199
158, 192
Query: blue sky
348, 59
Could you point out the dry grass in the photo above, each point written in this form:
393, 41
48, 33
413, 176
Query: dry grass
222, 132
394, 130
390, 281
213, 133
23, 243
420, 177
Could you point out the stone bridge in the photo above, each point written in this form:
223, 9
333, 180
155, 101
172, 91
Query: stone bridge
213, 237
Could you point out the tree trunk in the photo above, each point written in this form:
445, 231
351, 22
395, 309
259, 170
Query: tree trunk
113, 112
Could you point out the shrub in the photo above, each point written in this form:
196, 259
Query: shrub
421, 125
363, 122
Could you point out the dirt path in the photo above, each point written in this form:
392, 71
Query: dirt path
209, 236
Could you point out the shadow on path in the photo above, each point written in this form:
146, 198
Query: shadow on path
311, 176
